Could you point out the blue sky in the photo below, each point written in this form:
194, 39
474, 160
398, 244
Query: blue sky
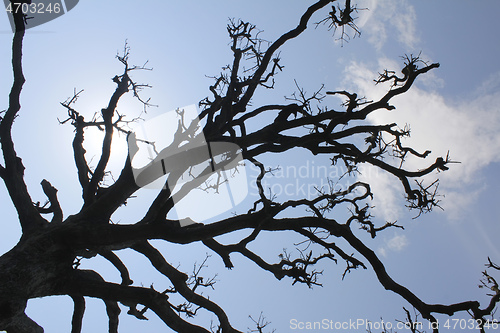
439, 256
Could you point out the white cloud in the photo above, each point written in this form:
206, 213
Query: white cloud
385, 17
468, 129
395, 244
387, 204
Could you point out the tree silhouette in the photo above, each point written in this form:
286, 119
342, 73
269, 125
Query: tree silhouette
46, 260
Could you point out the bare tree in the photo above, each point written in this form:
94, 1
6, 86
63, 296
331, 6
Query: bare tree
46, 260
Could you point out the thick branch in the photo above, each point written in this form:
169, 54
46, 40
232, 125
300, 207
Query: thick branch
14, 319
425, 309
13, 173
112, 197
178, 279
113, 312
276, 45
157, 302
78, 312
120, 266
51, 193
107, 115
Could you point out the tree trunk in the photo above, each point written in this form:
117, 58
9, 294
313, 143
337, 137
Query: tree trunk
37, 266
